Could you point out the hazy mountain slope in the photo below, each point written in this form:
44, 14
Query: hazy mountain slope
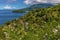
35, 6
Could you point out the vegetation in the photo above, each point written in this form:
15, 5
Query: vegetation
39, 24
19, 11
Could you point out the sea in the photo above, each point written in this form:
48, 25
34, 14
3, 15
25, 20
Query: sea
8, 15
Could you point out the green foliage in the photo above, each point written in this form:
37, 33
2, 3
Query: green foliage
39, 24
19, 11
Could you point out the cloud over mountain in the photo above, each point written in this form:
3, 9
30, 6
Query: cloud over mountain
41, 1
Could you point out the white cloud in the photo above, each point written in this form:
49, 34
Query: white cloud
8, 7
54, 1
27, 1
41, 1
34, 1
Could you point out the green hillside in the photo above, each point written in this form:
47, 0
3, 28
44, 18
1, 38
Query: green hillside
39, 24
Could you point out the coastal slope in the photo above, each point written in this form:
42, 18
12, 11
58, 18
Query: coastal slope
38, 24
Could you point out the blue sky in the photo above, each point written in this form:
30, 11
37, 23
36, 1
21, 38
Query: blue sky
12, 4
18, 4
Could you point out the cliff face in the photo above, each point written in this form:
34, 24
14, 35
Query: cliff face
40, 24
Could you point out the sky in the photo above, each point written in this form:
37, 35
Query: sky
18, 4
12, 4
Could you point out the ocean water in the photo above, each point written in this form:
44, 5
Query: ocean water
8, 15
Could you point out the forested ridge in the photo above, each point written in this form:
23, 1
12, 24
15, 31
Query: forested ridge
38, 24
